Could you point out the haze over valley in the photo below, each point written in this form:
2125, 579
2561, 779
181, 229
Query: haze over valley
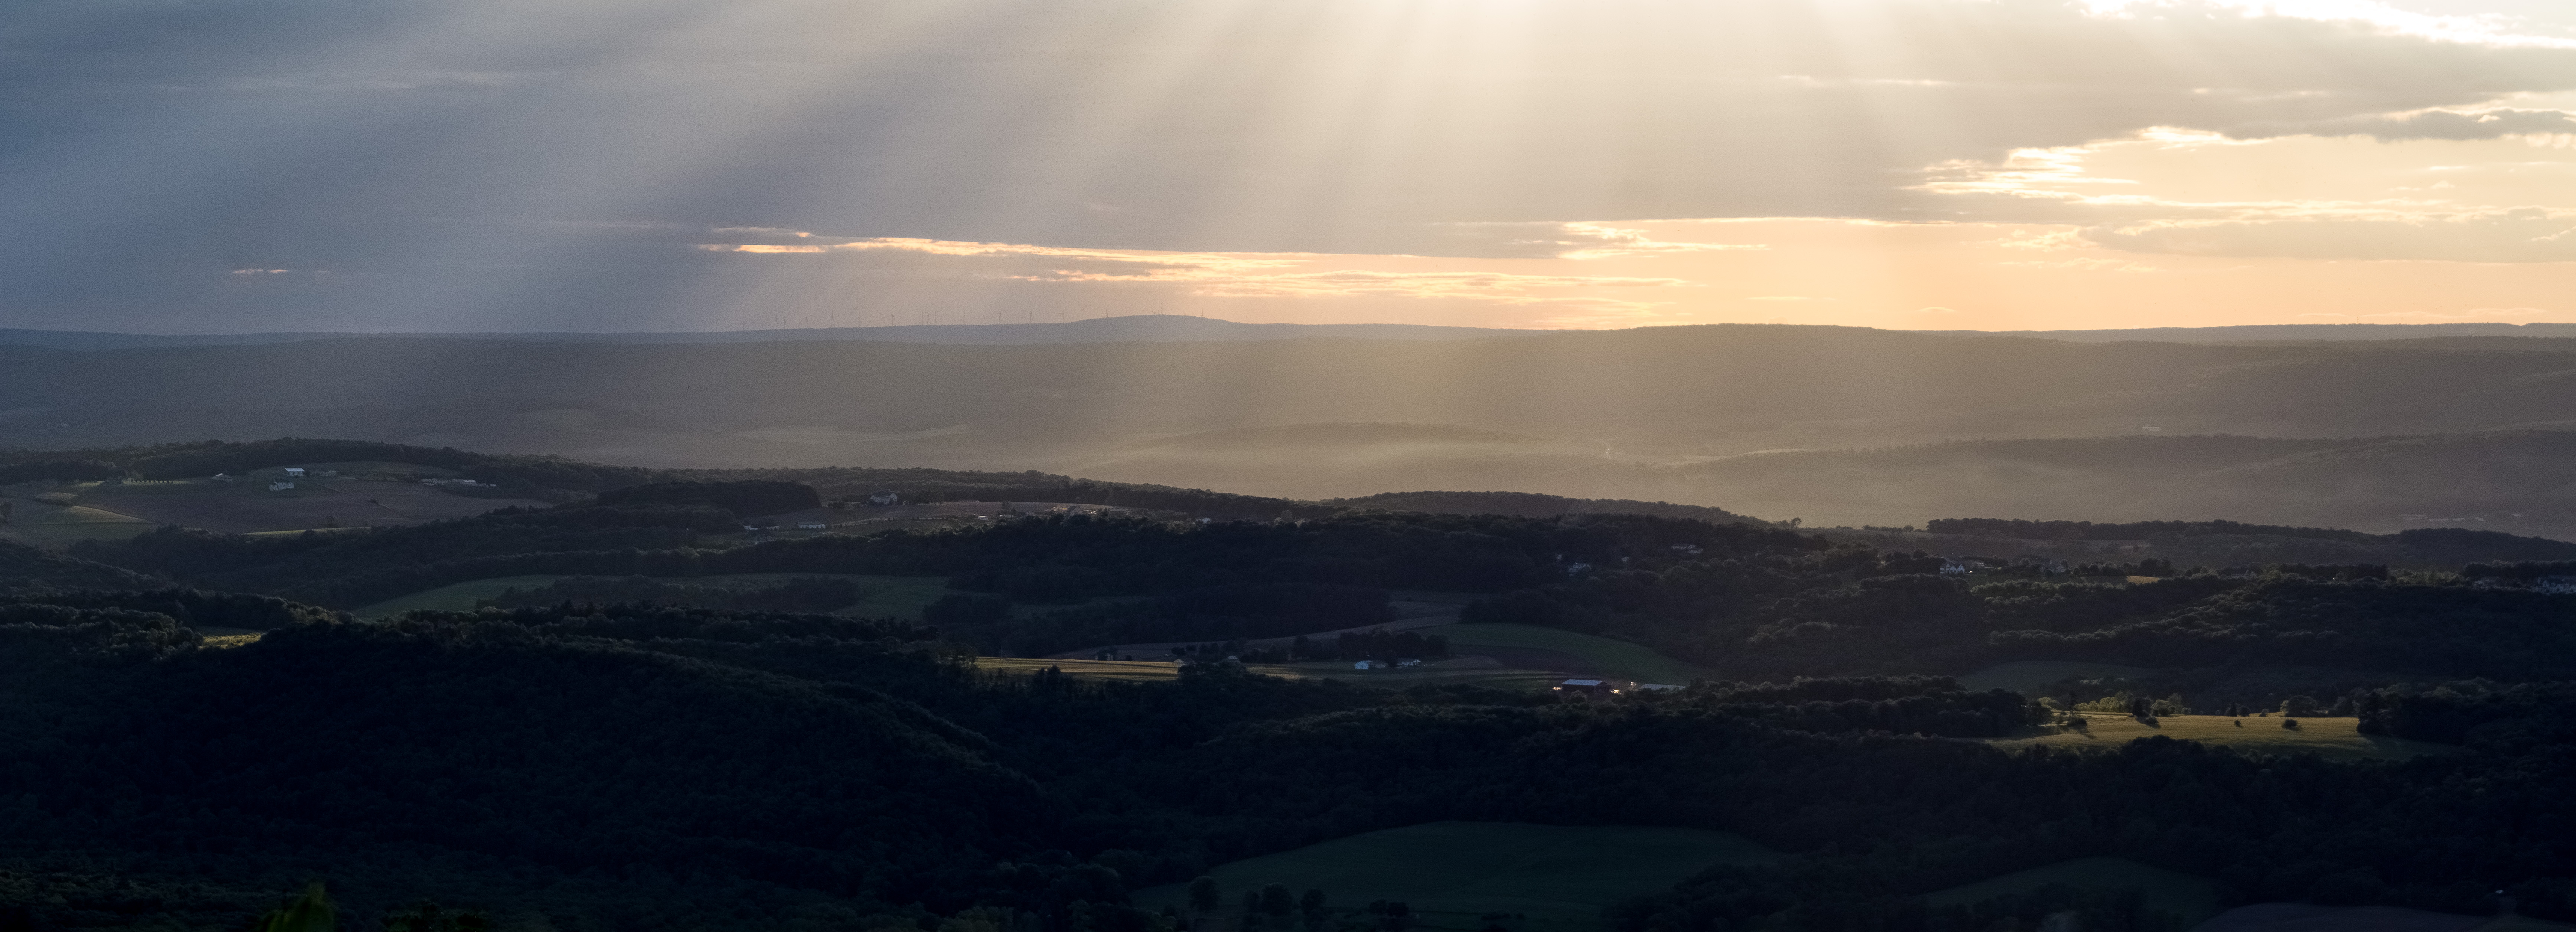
1833, 425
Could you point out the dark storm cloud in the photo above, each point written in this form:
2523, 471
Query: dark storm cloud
485, 164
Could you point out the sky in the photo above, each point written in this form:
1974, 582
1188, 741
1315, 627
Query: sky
196, 166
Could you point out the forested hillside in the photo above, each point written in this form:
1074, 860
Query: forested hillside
1750, 603
671, 768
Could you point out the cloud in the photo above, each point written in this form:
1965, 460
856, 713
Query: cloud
454, 146
2433, 124
1564, 240
1233, 275
2527, 234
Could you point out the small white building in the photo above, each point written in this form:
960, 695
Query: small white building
884, 498
1365, 665
295, 472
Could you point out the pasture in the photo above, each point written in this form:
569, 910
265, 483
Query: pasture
248, 506
1557, 876
1460, 670
2332, 738
1528, 645
2022, 676
1132, 671
2184, 895
879, 596
55, 527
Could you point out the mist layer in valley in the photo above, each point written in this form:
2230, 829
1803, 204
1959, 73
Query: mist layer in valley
1833, 425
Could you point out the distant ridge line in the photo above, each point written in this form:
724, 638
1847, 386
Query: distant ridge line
1138, 328
1175, 328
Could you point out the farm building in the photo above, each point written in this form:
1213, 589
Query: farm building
295, 472
884, 498
1365, 665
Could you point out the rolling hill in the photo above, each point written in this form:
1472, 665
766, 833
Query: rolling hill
1835, 425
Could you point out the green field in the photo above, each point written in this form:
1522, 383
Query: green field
1124, 670
2022, 676
1558, 876
1476, 670
879, 596
2334, 738
2192, 898
55, 527
1614, 659
1149, 670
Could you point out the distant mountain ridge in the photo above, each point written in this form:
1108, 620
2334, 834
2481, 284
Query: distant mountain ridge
1135, 328
2271, 332
1175, 328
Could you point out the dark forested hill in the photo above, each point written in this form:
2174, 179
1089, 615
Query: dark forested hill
631, 768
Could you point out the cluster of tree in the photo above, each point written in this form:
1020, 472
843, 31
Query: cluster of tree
206, 458
744, 498
67, 470
357, 567
802, 594
2525, 571
1842, 612
1051, 559
1911, 705
2131, 530
2419, 628
2228, 543
1533, 505
2471, 712
1373, 644
1241, 611
1815, 897
625, 766
25, 567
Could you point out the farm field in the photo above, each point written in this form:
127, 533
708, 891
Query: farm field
1603, 656
55, 527
1481, 671
248, 506
879, 596
1481, 674
2022, 676
2333, 738
1450, 873
2191, 898
1123, 670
